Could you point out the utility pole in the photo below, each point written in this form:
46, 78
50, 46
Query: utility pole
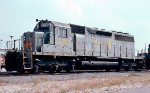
11, 42
11, 37
145, 47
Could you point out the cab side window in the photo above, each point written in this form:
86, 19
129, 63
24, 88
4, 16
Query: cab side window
62, 32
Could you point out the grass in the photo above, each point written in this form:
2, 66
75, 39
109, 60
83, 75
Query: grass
43, 85
83, 85
36, 81
3, 81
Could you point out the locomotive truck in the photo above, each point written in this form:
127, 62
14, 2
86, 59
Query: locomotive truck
56, 46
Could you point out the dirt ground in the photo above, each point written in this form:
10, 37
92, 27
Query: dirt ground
144, 89
112, 82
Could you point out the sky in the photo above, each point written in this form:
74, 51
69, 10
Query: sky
128, 16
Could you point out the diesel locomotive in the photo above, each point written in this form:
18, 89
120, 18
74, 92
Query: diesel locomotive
55, 46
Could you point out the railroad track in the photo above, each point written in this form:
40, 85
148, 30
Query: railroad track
2, 74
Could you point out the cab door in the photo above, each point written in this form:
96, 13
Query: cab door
52, 34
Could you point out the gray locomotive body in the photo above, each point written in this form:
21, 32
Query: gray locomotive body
55, 46
59, 39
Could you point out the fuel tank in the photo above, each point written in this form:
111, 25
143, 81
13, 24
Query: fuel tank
99, 65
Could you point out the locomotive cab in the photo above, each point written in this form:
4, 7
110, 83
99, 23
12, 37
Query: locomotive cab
48, 47
57, 39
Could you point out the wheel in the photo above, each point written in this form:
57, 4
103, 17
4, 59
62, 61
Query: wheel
136, 68
107, 70
127, 69
20, 69
53, 68
58, 70
130, 67
51, 71
118, 69
36, 69
70, 68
